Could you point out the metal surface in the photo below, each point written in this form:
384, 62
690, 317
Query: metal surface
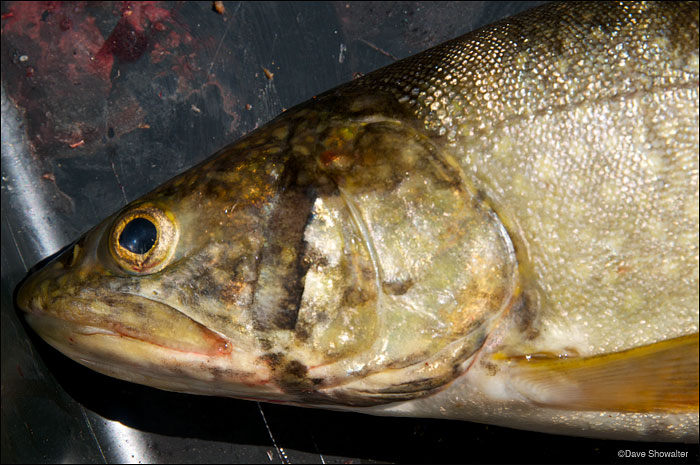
102, 102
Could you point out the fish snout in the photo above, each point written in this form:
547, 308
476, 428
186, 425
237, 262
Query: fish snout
33, 295
28, 299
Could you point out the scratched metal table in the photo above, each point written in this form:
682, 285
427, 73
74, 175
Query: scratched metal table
102, 102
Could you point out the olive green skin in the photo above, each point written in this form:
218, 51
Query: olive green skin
531, 187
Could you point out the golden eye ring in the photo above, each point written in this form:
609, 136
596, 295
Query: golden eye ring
144, 239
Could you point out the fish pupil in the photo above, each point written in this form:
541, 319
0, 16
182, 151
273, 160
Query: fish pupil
138, 236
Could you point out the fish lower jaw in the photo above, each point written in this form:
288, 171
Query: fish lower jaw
131, 359
92, 330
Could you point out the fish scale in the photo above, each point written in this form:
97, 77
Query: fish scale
531, 111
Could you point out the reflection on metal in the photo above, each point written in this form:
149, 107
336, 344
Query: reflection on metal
88, 424
128, 445
24, 192
280, 451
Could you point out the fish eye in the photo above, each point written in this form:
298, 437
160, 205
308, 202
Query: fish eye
143, 239
139, 235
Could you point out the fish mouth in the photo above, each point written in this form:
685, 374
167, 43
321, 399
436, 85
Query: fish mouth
55, 291
122, 315
141, 340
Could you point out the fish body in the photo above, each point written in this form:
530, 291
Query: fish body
503, 229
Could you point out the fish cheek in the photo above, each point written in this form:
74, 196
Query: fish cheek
409, 268
338, 316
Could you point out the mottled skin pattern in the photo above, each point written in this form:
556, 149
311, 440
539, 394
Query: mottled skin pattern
530, 188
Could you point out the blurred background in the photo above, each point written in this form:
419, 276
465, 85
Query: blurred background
104, 101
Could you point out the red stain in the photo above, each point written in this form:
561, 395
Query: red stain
128, 117
125, 42
61, 50
66, 24
140, 14
184, 69
74, 43
155, 13
159, 53
230, 102
173, 40
131, 37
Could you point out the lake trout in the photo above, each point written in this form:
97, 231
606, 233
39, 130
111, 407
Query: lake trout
501, 229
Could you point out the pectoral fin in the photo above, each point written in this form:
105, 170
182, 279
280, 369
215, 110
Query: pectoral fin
660, 377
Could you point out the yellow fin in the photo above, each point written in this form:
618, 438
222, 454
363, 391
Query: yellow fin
659, 377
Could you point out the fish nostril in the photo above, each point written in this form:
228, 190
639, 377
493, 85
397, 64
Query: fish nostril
33, 296
74, 255
25, 295
70, 257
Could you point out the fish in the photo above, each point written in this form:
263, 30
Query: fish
501, 229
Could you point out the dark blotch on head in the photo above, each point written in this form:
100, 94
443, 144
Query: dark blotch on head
397, 287
296, 369
265, 344
314, 258
216, 372
202, 284
288, 311
353, 297
525, 314
283, 255
136, 307
293, 377
273, 360
478, 198
290, 375
490, 368
302, 332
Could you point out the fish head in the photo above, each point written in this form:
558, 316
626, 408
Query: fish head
336, 256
